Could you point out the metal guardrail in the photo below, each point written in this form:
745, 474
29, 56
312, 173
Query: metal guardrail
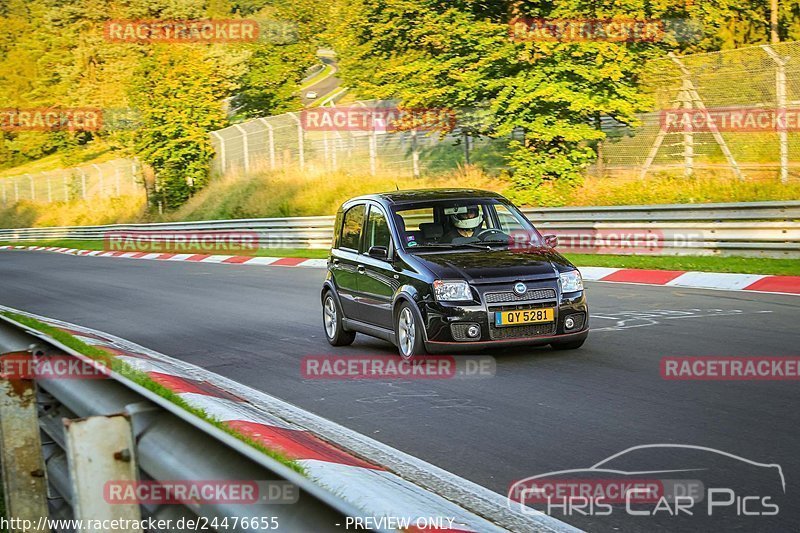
62, 439
767, 229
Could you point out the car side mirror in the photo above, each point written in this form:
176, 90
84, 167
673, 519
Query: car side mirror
551, 241
379, 252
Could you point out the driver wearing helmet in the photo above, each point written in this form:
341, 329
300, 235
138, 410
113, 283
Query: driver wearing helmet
465, 225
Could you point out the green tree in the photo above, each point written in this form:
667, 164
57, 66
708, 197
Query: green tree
179, 92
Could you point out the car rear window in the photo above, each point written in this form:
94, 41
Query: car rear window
351, 227
412, 218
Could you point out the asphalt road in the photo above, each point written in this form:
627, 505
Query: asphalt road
322, 87
543, 411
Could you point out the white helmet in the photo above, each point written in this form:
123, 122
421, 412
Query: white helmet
469, 219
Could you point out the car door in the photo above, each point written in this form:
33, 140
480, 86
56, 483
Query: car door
345, 258
377, 280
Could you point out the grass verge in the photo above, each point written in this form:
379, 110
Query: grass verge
738, 265
142, 379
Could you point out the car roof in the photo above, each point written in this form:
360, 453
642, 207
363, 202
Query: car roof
424, 195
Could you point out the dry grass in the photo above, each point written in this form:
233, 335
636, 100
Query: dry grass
666, 189
88, 212
285, 194
292, 193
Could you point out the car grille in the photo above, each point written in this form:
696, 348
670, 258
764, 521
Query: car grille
514, 332
509, 296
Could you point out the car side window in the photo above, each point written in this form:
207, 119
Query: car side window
508, 221
377, 230
351, 227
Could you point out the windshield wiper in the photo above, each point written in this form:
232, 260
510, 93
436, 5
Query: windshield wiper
452, 246
479, 246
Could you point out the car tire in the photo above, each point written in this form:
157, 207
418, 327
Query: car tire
571, 345
332, 322
408, 332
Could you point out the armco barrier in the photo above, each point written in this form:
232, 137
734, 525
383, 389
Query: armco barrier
66, 438
156, 438
765, 229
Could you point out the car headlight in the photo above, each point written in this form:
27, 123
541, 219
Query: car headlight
571, 281
451, 291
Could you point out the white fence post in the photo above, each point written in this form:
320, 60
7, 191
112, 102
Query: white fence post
100, 179
300, 141
133, 175
222, 155
271, 137
245, 148
414, 154
33, 188
780, 100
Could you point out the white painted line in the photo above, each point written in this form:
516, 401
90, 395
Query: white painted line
180, 257
314, 263
715, 280
595, 273
263, 261
215, 259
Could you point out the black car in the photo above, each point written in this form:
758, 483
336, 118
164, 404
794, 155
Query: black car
447, 270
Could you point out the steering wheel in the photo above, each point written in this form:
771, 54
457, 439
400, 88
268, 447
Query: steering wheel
487, 232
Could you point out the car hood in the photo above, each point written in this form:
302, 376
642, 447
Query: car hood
479, 266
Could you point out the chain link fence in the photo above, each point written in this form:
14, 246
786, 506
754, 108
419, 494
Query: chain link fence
119, 177
751, 83
765, 78
283, 141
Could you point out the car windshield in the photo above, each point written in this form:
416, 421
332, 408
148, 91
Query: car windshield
469, 223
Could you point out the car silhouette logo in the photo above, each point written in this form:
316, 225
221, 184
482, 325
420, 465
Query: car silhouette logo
520, 289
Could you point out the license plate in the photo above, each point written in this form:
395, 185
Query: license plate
527, 316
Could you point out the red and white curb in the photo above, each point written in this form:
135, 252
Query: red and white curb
670, 278
695, 280
373, 477
193, 258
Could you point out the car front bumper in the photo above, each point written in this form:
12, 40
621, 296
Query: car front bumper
446, 324
451, 346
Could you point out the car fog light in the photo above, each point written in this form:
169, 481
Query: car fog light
569, 323
473, 331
